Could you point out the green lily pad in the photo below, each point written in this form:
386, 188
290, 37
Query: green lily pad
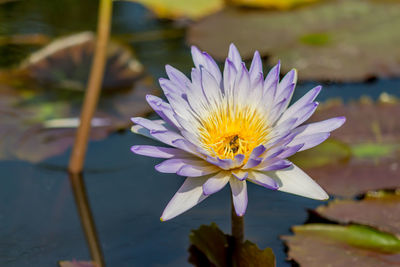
336, 245
330, 152
343, 40
379, 210
211, 247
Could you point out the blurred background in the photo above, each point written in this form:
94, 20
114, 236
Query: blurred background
350, 47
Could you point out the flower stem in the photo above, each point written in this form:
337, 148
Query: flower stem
93, 89
76, 162
237, 225
237, 237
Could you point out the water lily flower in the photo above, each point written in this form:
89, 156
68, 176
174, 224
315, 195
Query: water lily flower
232, 127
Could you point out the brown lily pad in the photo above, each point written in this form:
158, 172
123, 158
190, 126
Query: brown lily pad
211, 247
357, 177
379, 210
363, 155
343, 40
336, 245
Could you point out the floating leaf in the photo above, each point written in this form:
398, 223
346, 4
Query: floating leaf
354, 245
372, 134
350, 40
330, 152
211, 247
371, 150
380, 210
175, 9
277, 4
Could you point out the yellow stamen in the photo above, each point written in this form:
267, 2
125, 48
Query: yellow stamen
227, 132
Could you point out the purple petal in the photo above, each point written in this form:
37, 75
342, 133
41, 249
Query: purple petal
166, 137
239, 174
271, 84
197, 170
263, 180
216, 183
278, 165
305, 113
251, 163
255, 67
163, 109
210, 87
156, 151
257, 151
229, 76
309, 141
149, 124
321, 126
291, 151
301, 103
202, 59
242, 84
170, 165
178, 78
224, 164
289, 81
234, 56
185, 145
239, 196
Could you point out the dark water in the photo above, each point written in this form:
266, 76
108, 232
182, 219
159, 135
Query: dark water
39, 224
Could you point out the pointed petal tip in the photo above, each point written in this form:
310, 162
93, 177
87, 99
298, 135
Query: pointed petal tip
232, 46
136, 119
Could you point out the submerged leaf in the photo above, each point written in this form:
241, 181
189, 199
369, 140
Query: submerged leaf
65, 63
379, 210
350, 40
39, 114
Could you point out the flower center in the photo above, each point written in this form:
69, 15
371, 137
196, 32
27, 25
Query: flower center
226, 132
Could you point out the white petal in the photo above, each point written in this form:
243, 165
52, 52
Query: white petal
188, 195
293, 180
234, 56
216, 182
239, 195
